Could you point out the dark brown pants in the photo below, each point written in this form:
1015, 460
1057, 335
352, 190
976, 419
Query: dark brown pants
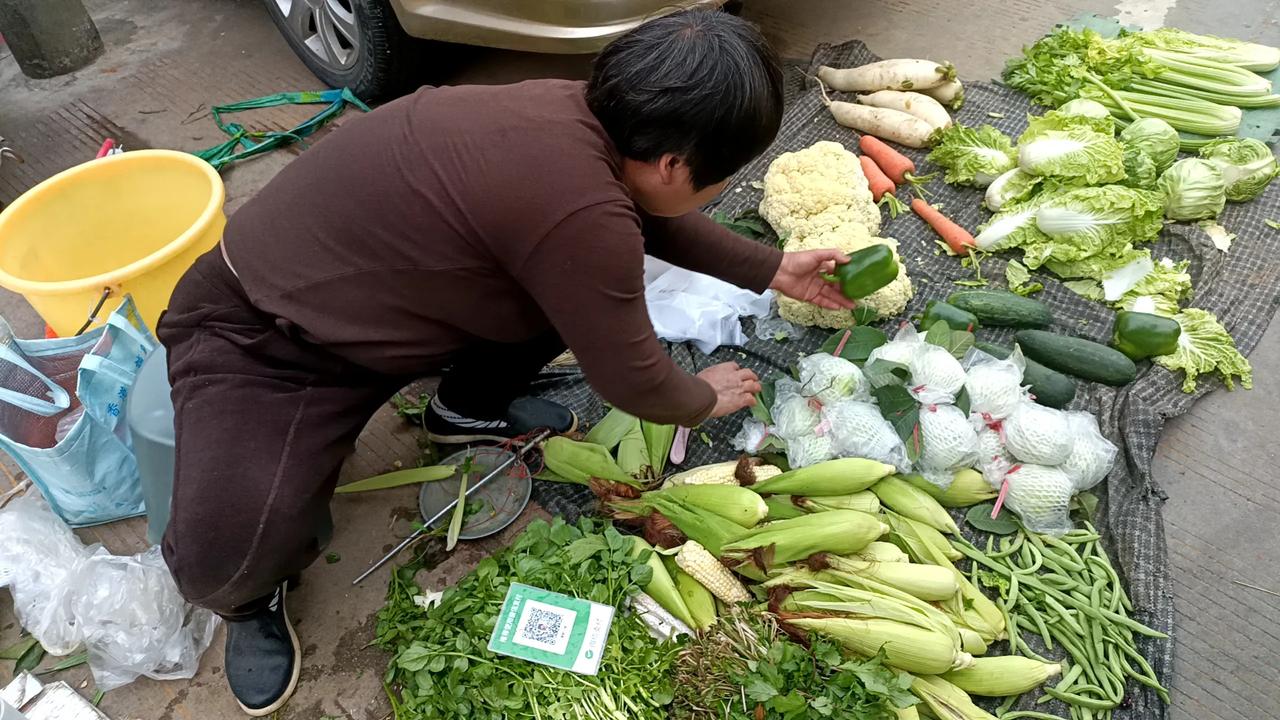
264, 421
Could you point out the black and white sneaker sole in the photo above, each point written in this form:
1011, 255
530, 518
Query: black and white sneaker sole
297, 669
462, 438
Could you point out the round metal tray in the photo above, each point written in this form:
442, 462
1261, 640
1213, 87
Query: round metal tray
504, 497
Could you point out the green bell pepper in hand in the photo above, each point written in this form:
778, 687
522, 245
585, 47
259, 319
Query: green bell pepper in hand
1142, 335
868, 270
956, 318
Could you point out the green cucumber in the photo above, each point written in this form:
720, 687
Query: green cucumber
1082, 358
1002, 308
1050, 388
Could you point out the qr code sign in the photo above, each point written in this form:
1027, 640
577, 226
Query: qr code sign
544, 627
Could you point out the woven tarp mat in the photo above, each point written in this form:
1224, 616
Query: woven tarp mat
1241, 287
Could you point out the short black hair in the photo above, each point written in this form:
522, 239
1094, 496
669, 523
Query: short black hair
701, 84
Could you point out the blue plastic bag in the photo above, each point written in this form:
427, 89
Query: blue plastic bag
62, 415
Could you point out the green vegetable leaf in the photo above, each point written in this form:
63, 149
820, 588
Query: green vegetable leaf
882, 372
1205, 347
972, 156
399, 478
1085, 505
759, 690
1248, 165
764, 401
459, 510
858, 342
612, 428
956, 342
747, 223
18, 649
633, 452
1193, 189
332, 558
903, 412
1086, 222
1273, 224
30, 659
979, 517
1078, 154
1018, 278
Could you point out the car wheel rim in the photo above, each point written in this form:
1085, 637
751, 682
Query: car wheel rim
327, 28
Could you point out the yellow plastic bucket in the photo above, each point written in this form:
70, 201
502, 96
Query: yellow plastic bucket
130, 223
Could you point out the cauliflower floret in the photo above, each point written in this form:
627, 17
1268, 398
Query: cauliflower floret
888, 301
816, 189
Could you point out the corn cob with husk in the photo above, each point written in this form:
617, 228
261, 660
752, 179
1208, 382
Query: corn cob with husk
841, 476
661, 587
1002, 676
658, 439
970, 641
699, 600
927, 582
907, 647
967, 487
970, 608
707, 570
579, 462
836, 531
782, 507
709, 529
745, 471
946, 701
922, 542
864, 501
731, 502
860, 595
880, 551
910, 501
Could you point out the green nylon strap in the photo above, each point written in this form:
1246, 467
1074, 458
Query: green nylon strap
243, 143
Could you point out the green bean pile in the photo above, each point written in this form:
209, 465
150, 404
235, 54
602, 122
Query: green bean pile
1066, 591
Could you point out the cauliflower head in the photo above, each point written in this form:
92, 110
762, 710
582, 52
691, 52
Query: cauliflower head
815, 189
888, 301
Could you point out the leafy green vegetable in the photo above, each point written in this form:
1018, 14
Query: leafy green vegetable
1162, 291
1087, 289
1071, 115
1247, 166
1076, 153
1094, 267
1274, 225
972, 156
1246, 55
979, 516
1012, 187
747, 223
956, 342
1156, 138
745, 669
855, 343
1139, 169
1205, 347
1018, 278
442, 666
1014, 226
1091, 221
899, 407
1193, 189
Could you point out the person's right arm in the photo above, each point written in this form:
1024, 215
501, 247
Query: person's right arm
587, 276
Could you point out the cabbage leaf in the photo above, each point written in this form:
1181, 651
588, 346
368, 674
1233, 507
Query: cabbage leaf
1247, 166
1098, 220
1206, 348
1075, 153
973, 156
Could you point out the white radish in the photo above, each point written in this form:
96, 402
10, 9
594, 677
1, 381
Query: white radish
900, 74
949, 93
883, 123
911, 103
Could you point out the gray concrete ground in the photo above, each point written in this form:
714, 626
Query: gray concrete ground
167, 62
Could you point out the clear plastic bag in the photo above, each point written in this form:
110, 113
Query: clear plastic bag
936, 376
751, 436
1038, 434
993, 459
994, 385
125, 610
900, 348
950, 443
1042, 498
797, 422
831, 379
858, 429
773, 327
1092, 455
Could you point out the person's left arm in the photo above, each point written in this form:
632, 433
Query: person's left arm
696, 242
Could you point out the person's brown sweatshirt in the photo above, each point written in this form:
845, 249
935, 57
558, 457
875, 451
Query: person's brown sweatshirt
490, 212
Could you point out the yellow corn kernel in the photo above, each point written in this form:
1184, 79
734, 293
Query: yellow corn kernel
706, 569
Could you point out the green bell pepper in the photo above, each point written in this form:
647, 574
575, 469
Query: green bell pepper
868, 270
956, 318
1142, 335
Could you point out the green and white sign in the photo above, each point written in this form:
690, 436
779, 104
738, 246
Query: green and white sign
552, 629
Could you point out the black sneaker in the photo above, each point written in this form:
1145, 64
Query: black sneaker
263, 657
524, 415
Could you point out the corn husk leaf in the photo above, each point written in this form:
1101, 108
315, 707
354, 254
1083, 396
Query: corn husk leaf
399, 478
658, 439
611, 429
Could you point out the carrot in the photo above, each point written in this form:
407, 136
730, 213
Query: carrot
892, 163
957, 238
876, 179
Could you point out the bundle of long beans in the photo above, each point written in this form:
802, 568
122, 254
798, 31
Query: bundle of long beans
1066, 591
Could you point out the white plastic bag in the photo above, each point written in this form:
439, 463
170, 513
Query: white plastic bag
900, 348
993, 459
936, 376
1038, 434
1042, 498
1092, 455
125, 610
858, 429
751, 436
685, 305
830, 379
950, 443
994, 385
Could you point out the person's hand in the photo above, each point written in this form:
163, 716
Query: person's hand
735, 387
800, 276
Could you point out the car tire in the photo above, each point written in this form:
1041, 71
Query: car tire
381, 56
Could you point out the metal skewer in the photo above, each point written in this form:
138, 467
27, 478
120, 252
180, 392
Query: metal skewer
500, 469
